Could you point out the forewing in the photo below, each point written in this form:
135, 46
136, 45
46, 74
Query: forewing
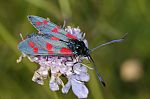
41, 45
45, 26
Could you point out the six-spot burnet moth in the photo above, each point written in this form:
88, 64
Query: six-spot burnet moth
55, 41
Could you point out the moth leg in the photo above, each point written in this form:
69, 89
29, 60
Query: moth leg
75, 60
70, 61
20, 58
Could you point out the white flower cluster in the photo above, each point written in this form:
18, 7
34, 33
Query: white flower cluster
68, 66
71, 68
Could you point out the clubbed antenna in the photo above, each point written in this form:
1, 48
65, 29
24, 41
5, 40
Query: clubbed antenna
110, 42
97, 73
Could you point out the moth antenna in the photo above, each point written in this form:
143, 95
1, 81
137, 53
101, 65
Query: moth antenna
110, 42
97, 73
21, 36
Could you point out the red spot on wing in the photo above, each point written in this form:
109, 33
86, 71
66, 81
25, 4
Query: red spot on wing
71, 36
38, 23
45, 22
55, 30
54, 38
31, 44
49, 46
65, 51
50, 52
35, 50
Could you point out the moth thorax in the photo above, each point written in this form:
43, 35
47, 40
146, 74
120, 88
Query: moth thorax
78, 47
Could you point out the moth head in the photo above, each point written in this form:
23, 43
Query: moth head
78, 47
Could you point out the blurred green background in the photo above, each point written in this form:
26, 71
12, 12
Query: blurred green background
124, 66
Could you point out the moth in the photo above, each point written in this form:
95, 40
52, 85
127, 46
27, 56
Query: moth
55, 41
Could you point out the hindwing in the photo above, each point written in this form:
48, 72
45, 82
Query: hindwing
44, 45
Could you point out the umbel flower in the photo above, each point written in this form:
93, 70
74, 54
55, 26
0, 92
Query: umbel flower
70, 67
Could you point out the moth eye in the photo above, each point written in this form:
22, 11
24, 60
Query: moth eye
77, 47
